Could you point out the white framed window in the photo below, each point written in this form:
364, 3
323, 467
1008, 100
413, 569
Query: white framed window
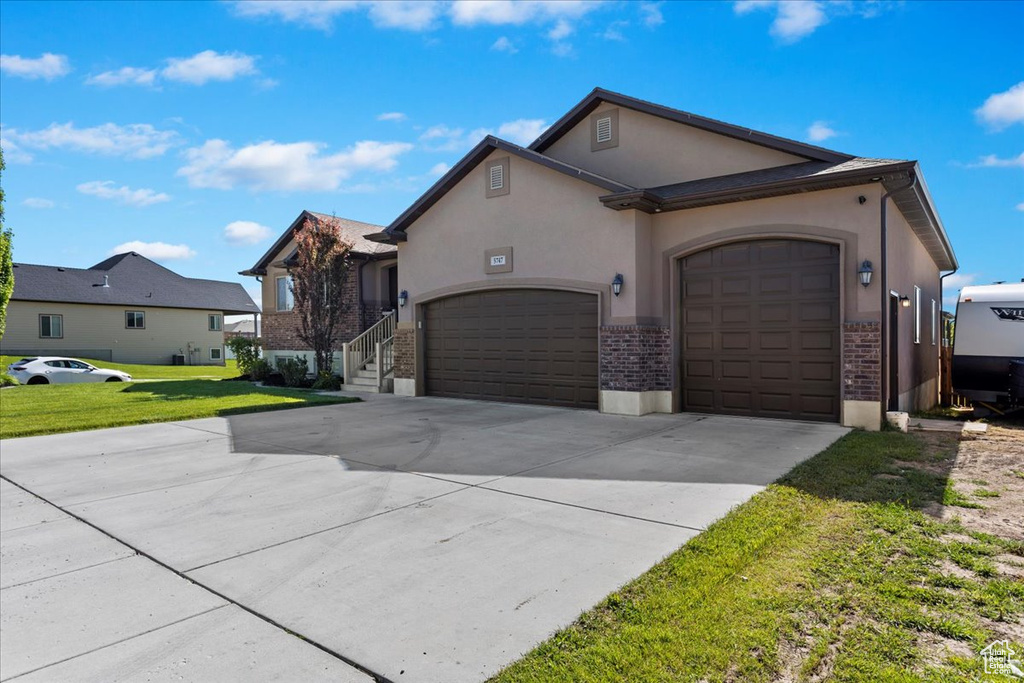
216, 353
917, 314
935, 323
51, 326
214, 322
135, 320
285, 302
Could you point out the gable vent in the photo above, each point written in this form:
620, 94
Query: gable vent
604, 129
497, 177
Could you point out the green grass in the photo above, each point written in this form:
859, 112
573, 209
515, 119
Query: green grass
833, 573
228, 370
28, 411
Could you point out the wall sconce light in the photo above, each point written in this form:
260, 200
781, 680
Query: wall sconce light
862, 199
905, 301
617, 284
402, 298
865, 273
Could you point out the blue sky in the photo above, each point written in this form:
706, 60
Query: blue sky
196, 132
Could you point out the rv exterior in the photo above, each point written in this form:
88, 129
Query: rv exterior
988, 344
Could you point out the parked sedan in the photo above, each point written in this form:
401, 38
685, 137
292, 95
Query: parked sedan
56, 370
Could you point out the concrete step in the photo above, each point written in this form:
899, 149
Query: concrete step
372, 388
362, 380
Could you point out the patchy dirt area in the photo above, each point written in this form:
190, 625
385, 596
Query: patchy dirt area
989, 472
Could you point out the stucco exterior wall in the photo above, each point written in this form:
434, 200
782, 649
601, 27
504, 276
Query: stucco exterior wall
168, 331
653, 151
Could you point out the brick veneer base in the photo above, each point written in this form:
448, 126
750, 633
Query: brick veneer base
405, 353
281, 329
862, 361
636, 358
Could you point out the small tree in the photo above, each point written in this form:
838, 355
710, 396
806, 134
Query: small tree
317, 283
247, 352
6, 258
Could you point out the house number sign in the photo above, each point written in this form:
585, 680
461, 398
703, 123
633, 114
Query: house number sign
498, 260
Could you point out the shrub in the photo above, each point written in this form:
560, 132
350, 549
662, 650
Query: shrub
260, 370
327, 381
294, 371
247, 352
8, 381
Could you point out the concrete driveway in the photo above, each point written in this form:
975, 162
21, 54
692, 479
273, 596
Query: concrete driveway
408, 539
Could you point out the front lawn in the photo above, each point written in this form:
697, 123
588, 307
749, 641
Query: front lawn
229, 369
49, 409
847, 569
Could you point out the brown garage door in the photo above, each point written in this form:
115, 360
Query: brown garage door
522, 345
760, 330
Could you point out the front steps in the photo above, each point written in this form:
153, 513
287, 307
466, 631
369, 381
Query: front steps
366, 381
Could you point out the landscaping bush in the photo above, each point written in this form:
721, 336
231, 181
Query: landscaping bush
327, 381
8, 381
247, 353
260, 370
294, 371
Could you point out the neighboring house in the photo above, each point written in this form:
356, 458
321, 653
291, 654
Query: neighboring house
369, 292
637, 258
126, 309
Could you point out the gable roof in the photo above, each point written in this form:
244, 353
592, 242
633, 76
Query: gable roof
396, 231
598, 95
351, 231
133, 280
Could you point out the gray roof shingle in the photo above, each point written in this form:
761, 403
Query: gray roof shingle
133, 280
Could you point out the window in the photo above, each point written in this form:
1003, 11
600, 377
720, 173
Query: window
935, 323
284, 294
496, 180
51, 326
917, 314
135, 320
214, 322
216, 353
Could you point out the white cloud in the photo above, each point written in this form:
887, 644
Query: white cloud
1003, 109
128, 75
441, 138
504, 12
38, 203
503, 44
134, 141
562, 29
794, 19
392, 116
209, 65
286, 167
158, 251
651, 15
409, 15
1020, 207
246, 232
819, 131
47, 67
438, 169
993, 161
614, 31
106, 189
522, 131
952, 285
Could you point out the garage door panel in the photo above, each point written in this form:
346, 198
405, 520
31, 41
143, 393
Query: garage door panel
771, 306
534, 346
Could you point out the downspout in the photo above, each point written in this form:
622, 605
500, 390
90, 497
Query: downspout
884, 331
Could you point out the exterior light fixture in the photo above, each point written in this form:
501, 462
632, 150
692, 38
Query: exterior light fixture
617, 284
865, 272
402, 298
905, 301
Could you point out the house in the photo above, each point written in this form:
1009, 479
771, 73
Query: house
241, 328
637, 258
126, 309
370, 291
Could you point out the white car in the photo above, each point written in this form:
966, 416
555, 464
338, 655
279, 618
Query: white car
58, 370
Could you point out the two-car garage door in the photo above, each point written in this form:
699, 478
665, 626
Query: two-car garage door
517, 345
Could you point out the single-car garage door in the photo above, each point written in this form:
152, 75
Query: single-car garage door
760, 330
520, 345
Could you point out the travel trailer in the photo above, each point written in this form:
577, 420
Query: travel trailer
988, 344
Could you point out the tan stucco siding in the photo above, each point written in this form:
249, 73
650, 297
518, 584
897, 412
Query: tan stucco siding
168, 331
910, 266
836, 216
653, 151
269, 288
557, 228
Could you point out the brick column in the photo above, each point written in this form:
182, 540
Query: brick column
862, 362
405, 353
636, 358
